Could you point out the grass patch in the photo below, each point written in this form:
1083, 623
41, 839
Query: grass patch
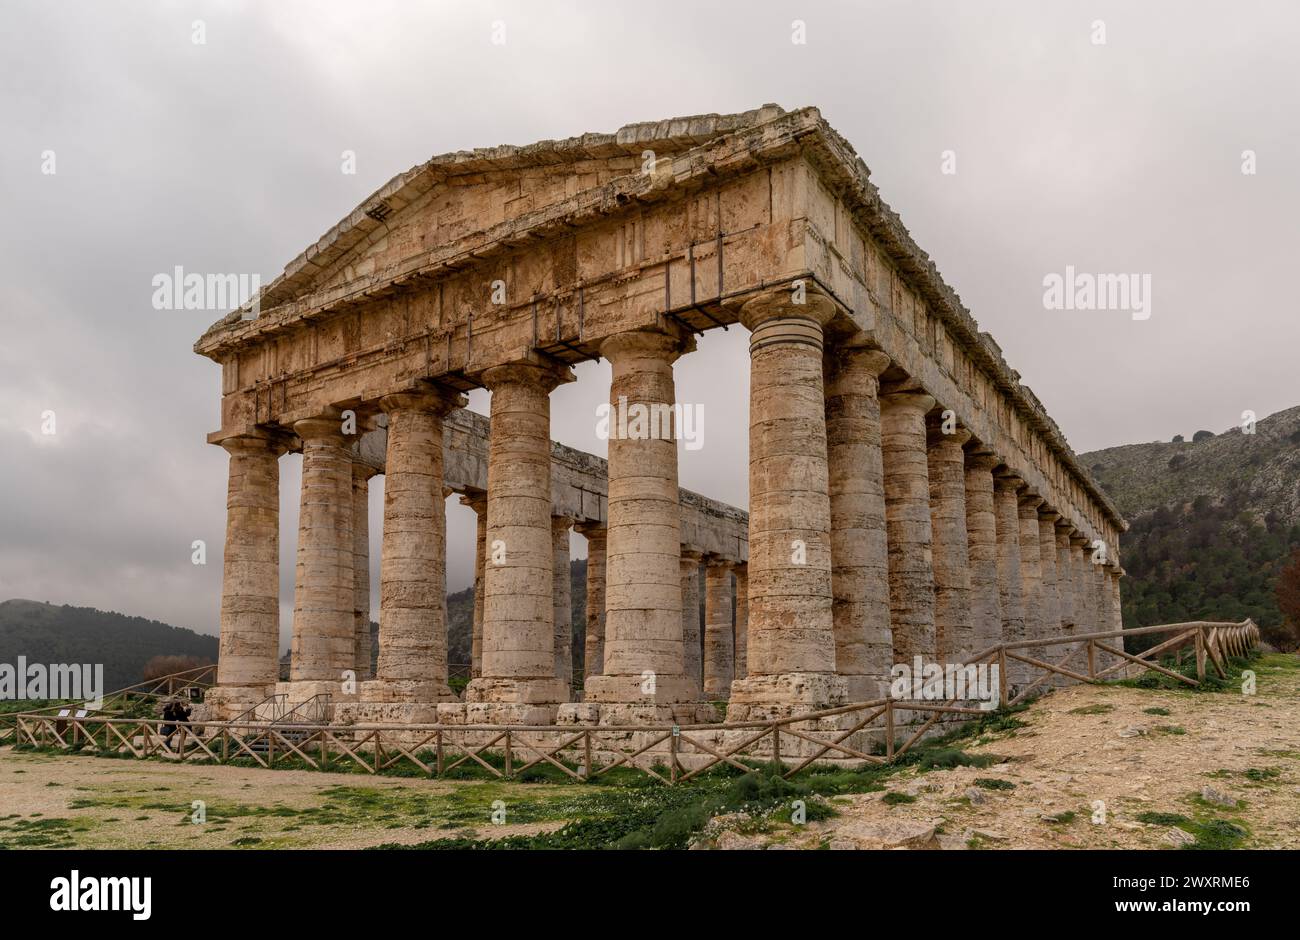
895, 797
1100, 708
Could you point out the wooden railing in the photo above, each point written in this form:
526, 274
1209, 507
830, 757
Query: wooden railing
669, 754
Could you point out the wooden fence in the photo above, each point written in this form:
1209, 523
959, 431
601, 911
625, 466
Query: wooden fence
669, 754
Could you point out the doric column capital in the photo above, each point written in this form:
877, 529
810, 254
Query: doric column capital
433, 399
561, 524
717, 561
327, 427
1078, 539
665, 346
362, 472
935, 433
907, 398
857, 353
780, 304
691, 555
259, 441
546, 377
475, 500
1029, 502
1047, 514
591, 530
982, 460
1008, 483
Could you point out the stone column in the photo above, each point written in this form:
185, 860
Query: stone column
982, 546
249, 659
518, 636
907, 524
643, 592
1084, 619
1051, 605
1011, 590
864, 647
593, 656
412, 664
791, 638
950, 549
741, 575
692, 638
1116, 605
361, 475
1065, 586
323, 597
719, 647
1031, 569
477, 502
562, 599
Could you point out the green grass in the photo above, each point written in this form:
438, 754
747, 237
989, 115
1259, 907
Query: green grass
993, 783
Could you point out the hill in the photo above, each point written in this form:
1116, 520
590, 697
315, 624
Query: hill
1212, 520
49, 633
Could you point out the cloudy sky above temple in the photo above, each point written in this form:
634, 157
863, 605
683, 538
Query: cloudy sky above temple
1117, 157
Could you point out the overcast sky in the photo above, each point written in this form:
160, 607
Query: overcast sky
1117, 157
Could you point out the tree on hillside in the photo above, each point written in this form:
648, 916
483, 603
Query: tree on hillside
1288, 601
1201, 436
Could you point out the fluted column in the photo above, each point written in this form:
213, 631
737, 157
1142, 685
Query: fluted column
412, 665
477, 502
1065, 587
1051, 603
1084, 617
692, 636
982, 547
1011, 589
593, 656
248, 663
323, 597
741, 575
859, 554
719, 646
361, 475
791, 637
643, 593
950, 549
518, 611
1116, 605
1031, 569
907, 523
562, 599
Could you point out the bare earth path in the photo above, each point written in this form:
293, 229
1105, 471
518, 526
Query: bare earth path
1091, 752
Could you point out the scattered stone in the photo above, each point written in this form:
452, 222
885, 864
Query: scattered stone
1216, 798
1132, 731
976, 796
1179, 837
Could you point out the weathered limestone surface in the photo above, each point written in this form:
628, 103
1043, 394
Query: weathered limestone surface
907, 523
719, 644
1051, 606
324, 591
1031, 571
767, 218
412, 664
361, 475
950, 549
643, 598
791, 637
562, 599
982, 543
478, 502
594, 641
518, 636
859, 553
250, 593
1011, 589
692, 635
740, 574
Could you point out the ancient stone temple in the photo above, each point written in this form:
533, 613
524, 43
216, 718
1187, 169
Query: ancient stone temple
908, 495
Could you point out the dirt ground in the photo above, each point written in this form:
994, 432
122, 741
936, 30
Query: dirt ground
1094, 767
1091, 767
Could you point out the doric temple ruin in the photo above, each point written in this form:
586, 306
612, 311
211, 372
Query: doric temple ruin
909, 497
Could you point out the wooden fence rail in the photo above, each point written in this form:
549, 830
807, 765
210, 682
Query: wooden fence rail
669, 754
